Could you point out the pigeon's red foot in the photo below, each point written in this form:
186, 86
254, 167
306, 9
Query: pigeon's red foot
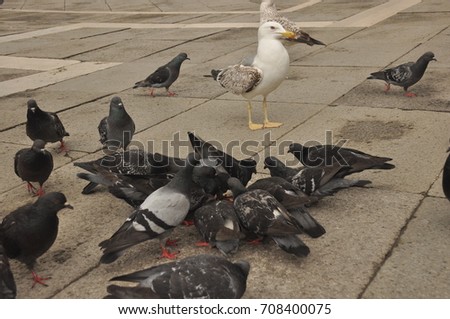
171, 243
151, 93
31, 189
202, 244
39, 280
410, 94
387, 87
171, 93
188, 222
40, 192
257, 241
167, 254
62, 148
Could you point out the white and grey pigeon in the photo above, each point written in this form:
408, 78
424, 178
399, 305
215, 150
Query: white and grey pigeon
404, 75
269, 12
195, 277
117, 129
44, 125
261, 214
267, 71
164, 76
156, 217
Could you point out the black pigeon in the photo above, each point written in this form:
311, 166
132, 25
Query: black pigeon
241, 169
34, 164
201, 276
8, 288
117, 129
352, 160
164, 76
446, 177
156, 217
218, 224
294, 200
404, 75
30, 230
261, 214
45, 126
313, 181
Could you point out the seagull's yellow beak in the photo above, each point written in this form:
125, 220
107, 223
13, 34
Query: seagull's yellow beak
288, 35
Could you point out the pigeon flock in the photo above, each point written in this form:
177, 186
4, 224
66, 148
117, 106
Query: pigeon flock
209, 188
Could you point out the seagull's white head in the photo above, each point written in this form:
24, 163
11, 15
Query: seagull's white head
272, 29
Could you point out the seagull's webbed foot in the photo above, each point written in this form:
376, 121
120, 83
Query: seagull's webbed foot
254, 126
272, 124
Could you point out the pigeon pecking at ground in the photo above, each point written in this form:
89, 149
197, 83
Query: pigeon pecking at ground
195, 277
8, 289
164, 76
29, 231
268, 12
404, 75
263, 74
156, 217
34, 164
45, 126
117, 129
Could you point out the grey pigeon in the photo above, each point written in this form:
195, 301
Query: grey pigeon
406, 74
261, 214
34, 164
117, 129
446, 177
164, 76
218, 224
156, 217
200, 276
30, 230
44, 125
8, 288
347, 160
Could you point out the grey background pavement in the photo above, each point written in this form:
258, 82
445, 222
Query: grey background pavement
386, 241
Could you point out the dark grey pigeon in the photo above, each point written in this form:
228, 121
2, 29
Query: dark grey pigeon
45, 126
156, 217
200, 276
8, 288
34, 164
117, 129
406, 74
446, 177
261, 214
164, 76
218, 224
30, 230
347, 160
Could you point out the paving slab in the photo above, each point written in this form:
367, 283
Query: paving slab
413, 270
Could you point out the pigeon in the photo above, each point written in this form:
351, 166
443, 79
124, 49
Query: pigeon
45, 126
117, 129
34, 164
404, 75
218, 224
313, 181
164, 76
241, 169
30, 230
446, 177
200, 276
260, 213
156, 217
268, 12
294, 200
333, 155
263, 75
8, 288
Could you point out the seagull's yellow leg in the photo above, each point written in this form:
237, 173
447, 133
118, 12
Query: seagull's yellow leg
252, 125
267, 123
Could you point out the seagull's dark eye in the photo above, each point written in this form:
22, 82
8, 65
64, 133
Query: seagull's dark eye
272, 27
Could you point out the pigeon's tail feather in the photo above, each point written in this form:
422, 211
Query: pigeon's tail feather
377, 76
89, 188
215, 73
115, 246
340, 183
384, 166
307, 223
97, 179
293, 245
87, 166
118, 292
138, 84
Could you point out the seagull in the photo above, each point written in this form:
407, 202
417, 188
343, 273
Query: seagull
156, 217
44, 125
34, 164
164, 76
199, 277
268, 12
117, 129
263, 74
29, 231
404, 75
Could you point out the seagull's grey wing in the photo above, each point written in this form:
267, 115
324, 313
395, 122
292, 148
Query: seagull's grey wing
239, 79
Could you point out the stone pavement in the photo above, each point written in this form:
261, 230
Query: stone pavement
387, 241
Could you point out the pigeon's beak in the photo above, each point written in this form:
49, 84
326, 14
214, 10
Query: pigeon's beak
448, 149
67, 205
289, 150
265, 166
187, 58
288, 35
433, 59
